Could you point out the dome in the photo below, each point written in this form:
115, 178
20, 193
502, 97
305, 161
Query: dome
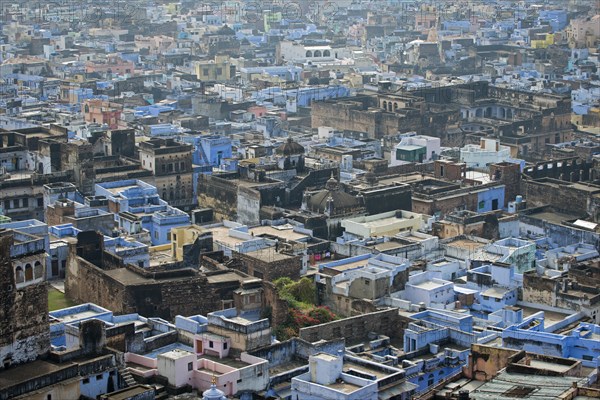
290, 148
225, 30
370, 178
332, 184
340, 200
213, 394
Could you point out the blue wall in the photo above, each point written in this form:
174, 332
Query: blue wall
486, 197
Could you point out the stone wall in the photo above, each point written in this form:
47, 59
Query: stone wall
270, 270
220, 195
279, 308
539, 289
248, 206
561, 195
163, 295
356, 329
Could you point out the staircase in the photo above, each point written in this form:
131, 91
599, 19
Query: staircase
159, 392
127, 378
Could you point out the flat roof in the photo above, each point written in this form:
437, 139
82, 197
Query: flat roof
466, 244
268, 254
350, 265
283, 233
226, 277
553, 216
128, 393
427, 285
29, 371
119, 189
169, 348
221, 235
551, 317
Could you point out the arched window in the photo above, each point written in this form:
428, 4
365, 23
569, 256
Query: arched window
28, 272
395, 106
317, 53
384, 105
308, 53
38, 270
326, 53
19, 276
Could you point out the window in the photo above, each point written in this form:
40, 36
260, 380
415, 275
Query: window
28, 272
205, 72
367, 282
211, 344
225, 346
219, 71
86, 381
38, 270
40, 202
19, 275
7, 204
16, 203
99, 377
25, 202
482, 204
190, 366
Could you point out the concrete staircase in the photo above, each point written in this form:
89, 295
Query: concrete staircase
127, 377
159, 392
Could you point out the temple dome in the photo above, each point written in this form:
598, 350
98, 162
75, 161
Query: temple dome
332, 194
290, 148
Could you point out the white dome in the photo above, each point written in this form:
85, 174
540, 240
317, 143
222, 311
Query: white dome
213, 394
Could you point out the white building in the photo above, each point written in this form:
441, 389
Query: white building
433, 292
386, 224
327, 381
415, 148
489, 151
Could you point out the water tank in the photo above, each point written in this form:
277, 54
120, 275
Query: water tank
519, 199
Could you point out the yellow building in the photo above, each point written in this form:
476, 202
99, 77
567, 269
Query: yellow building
543, 43
184, 236
218, 70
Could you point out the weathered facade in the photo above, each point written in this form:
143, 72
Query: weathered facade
98, 277
24, 328
356, 329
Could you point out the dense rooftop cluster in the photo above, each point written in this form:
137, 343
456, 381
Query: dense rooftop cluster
346, 200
